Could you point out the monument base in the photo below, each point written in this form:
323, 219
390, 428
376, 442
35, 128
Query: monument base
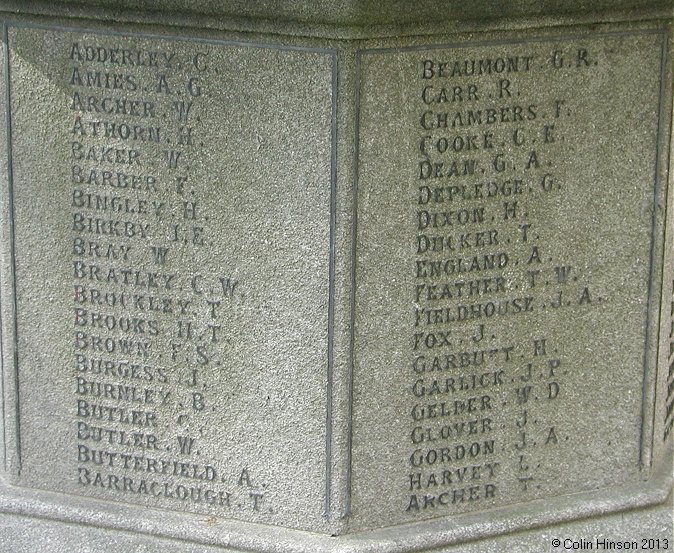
23, 534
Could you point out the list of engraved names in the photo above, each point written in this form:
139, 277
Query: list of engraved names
180, 193
128, 211
508, 229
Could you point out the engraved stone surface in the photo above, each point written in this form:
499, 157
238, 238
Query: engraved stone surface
359, 12
172, 247
505, 272
364, 278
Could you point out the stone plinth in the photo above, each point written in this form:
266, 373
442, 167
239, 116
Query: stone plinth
336, 278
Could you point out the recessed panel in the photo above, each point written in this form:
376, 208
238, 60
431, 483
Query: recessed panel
171, 204
507, 200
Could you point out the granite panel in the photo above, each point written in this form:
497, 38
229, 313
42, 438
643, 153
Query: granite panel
507, 274
171, 232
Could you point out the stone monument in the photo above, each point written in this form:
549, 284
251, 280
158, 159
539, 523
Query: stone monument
315, 276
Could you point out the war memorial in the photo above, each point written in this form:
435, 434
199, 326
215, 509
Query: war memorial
336, 277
